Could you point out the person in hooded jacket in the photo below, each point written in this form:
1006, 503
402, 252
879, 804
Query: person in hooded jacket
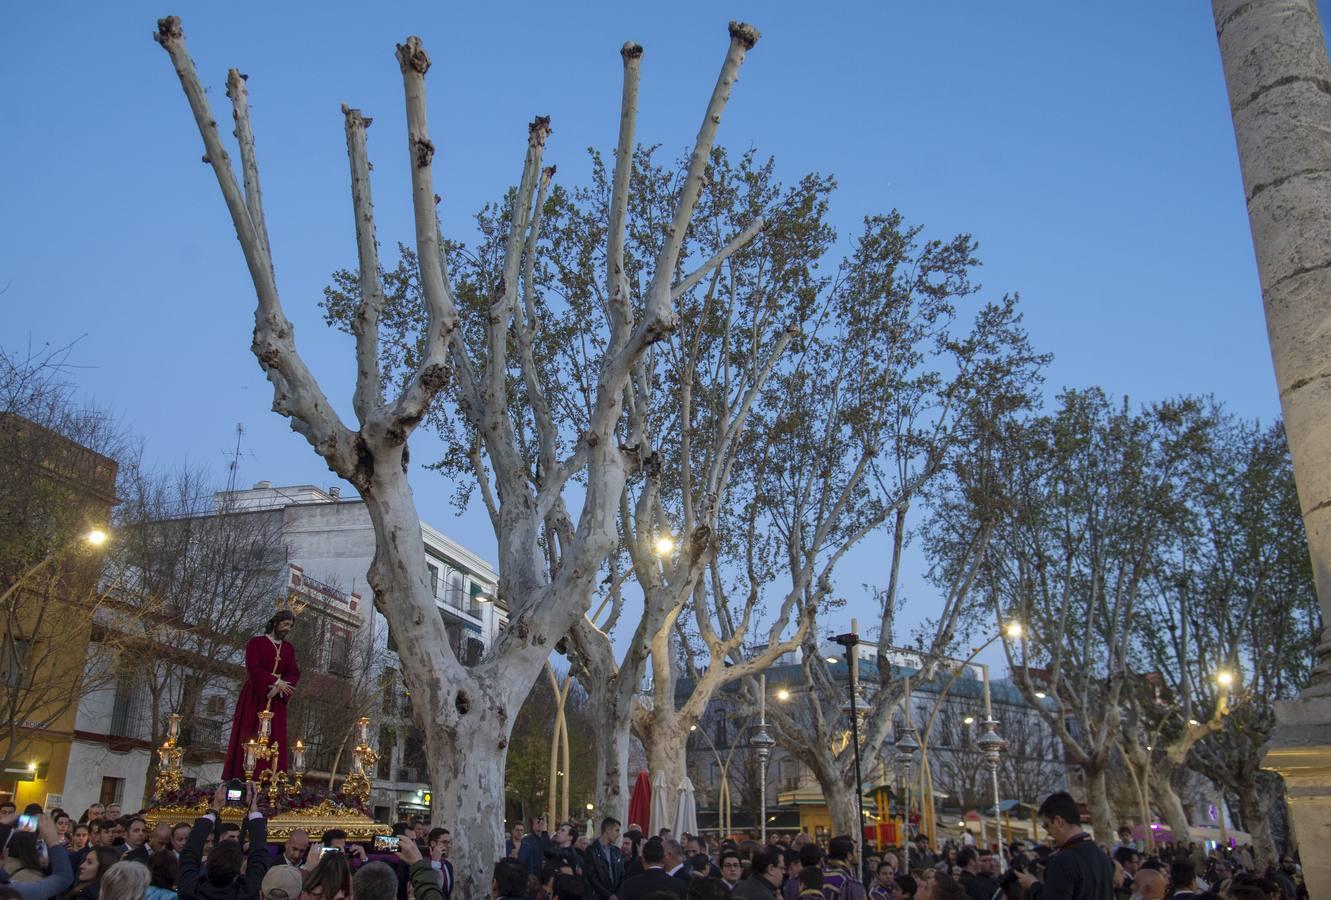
224, 879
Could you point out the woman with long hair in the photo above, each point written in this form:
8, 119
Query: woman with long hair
88, 879
329, 880
23, 862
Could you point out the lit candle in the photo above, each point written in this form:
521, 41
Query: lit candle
364, 724
265, 725
250, 753
298, 761
988, 709
172, 727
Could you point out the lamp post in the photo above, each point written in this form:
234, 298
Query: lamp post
992, 745
906, 745
850, 641
763, 743
1013, 631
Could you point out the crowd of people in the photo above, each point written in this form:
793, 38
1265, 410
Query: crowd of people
106, 855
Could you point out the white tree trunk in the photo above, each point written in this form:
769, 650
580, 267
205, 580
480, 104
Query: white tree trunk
841, 805
1162, 789
1097, 798
612, 716
666, 755
465, 712
1255, 804
1275, 61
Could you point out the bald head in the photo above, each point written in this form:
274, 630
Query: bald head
1150, 884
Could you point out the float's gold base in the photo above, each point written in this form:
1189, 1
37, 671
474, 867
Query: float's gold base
315, 820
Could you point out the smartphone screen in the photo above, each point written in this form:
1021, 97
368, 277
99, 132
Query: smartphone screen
326, 850
27, 823
386, 843
233, 795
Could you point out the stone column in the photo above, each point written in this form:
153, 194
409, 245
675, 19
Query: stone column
1276, 68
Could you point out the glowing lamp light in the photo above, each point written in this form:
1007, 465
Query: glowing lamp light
1013, 630
969, 720
1040, 695
483, 597
693, 728
1193, 722
833, 659
96, 537
664, 546
590, 807
783, 695
32, 767
1225, 678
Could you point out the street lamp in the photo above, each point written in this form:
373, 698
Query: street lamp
763, 743
1012, 630
850, 641
95, 537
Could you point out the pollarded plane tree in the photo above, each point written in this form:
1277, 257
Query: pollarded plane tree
468, 713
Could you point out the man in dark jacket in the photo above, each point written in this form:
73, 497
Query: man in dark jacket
1079, 870
224, 880
974, 881
654, 877
604, 864
531, 851
764, 879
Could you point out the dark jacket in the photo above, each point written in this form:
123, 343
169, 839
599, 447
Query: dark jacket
531, 853
603, 878
192, 884
978, 886
754, 888
138, 854
1080, 870
425, 881
651, 881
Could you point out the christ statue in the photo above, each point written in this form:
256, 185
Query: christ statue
271, 676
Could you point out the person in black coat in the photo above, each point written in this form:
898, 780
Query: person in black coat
654, 877
603, 863
224, 880
1079, 870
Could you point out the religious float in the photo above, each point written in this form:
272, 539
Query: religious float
284, 798
259, 753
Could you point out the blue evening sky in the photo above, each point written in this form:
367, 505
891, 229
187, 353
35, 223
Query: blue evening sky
1087, 146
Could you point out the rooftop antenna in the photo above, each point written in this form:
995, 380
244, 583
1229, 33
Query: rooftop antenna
233, 466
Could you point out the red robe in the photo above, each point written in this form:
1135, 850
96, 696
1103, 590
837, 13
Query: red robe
260, 655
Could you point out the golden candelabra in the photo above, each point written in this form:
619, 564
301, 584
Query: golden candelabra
357, 784
169, 776
276, 781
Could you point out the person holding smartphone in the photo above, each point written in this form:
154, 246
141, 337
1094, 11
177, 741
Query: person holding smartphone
51, 877
224, 879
